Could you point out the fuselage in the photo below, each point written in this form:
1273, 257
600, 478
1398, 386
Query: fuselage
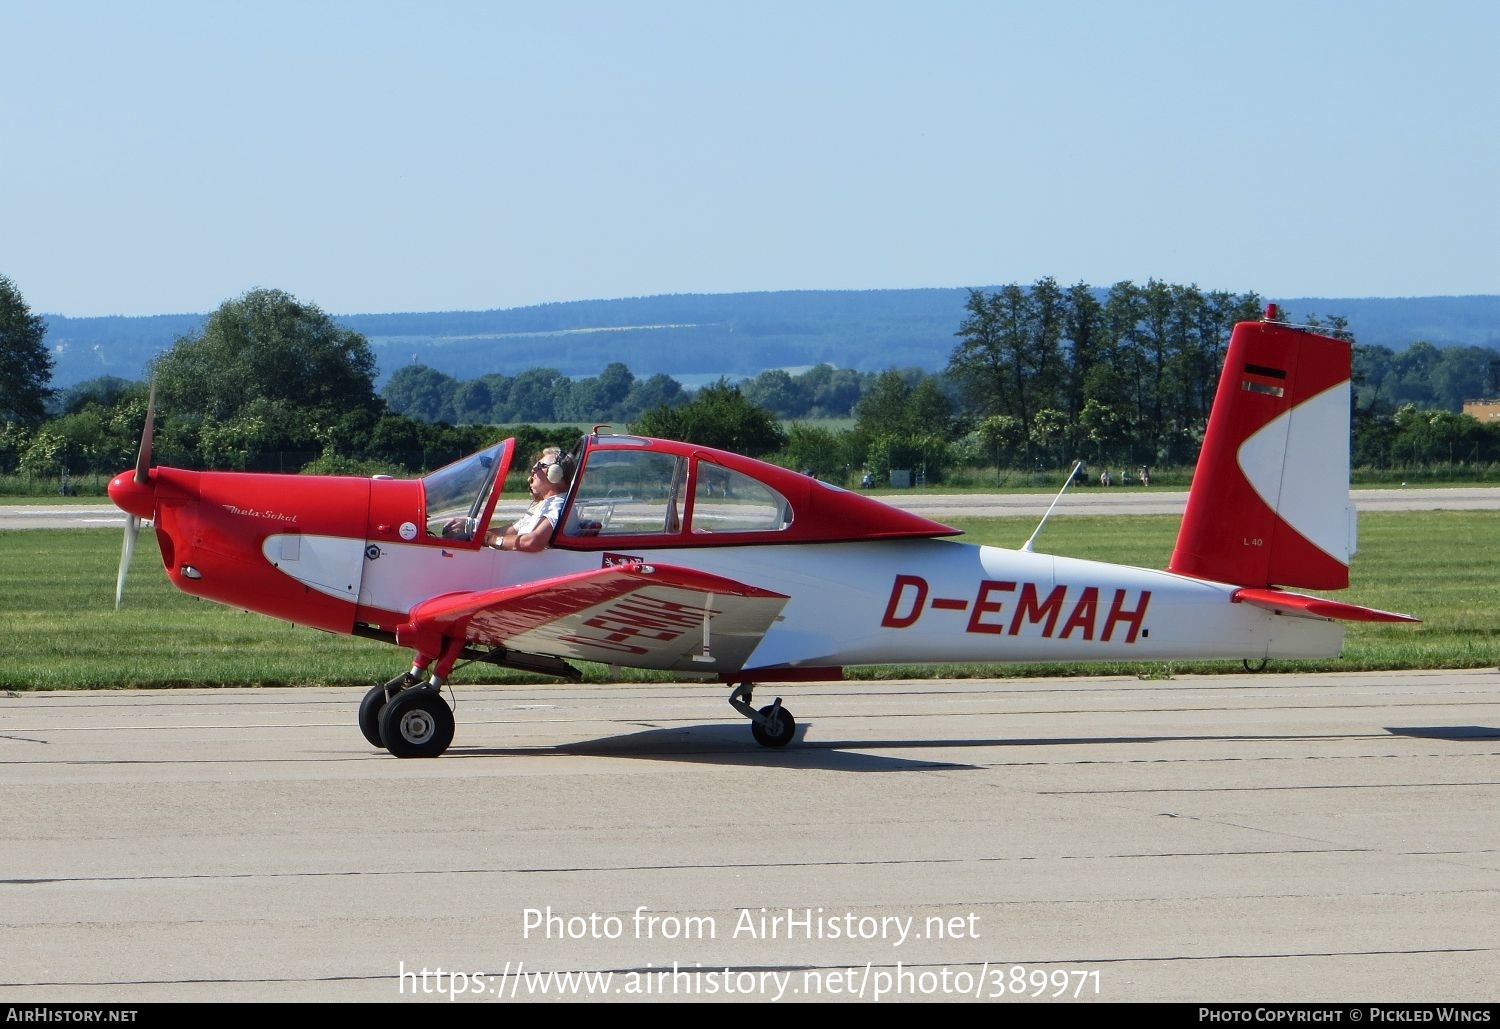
675, 556
917, 601
840, 578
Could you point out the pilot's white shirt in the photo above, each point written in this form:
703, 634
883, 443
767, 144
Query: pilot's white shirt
549, 508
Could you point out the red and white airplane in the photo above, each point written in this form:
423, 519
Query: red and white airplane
679, 557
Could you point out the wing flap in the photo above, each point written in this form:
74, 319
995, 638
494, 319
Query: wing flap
642, 615
1302, 606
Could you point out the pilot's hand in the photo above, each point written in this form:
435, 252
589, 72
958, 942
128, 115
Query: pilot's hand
457, 528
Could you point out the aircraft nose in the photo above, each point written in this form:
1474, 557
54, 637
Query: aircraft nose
132, 497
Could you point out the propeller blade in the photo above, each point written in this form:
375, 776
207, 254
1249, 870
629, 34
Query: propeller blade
143, 458
127, 552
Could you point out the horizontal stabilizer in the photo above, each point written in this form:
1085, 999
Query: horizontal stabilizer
1304, 606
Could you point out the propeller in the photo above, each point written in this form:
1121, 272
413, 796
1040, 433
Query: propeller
143, 456
142, 476
132, 530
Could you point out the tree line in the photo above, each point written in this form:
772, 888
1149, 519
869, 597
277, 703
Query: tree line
1039, 376
615, 395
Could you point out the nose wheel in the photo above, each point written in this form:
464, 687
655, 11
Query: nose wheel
772, 726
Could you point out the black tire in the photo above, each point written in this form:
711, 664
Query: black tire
781, 730
416, 723
369, 715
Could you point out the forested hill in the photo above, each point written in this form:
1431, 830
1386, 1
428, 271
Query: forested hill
692, 337
699, 337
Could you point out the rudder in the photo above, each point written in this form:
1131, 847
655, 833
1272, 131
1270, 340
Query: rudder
1269, 504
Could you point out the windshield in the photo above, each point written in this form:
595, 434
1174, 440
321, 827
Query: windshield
463, 489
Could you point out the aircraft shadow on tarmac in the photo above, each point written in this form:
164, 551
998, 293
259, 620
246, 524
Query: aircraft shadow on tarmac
1455, 733
728, 745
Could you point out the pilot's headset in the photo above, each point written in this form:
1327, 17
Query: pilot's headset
558, 466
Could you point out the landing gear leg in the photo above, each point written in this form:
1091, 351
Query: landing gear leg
772, 726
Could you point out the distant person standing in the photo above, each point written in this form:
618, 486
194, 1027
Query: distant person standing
1104, 479
1145, 474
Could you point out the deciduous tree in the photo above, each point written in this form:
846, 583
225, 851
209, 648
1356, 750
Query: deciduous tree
25, 364
269, 346
719, 416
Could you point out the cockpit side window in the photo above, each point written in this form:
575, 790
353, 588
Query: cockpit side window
728, 501
628, 492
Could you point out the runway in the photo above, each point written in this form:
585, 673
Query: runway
1090, 500
1273, 838
1094, 500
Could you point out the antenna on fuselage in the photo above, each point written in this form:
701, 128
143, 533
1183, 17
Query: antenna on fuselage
1030, 545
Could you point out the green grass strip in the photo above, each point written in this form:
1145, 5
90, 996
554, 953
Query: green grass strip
60, 629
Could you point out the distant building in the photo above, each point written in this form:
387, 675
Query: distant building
1484, 410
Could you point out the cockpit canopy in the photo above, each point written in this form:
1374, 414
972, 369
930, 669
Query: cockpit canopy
642, 492
630, 491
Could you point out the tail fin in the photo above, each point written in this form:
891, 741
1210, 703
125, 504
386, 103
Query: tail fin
1269, 504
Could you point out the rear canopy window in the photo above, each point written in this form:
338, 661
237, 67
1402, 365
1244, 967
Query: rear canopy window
728, 501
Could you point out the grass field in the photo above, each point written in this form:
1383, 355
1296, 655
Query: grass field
92, 488
61, 631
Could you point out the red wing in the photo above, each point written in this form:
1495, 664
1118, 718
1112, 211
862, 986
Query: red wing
1318, 607
641, 615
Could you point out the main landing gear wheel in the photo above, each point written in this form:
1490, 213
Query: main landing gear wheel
416, 723
374, 703
779, 729
369, 714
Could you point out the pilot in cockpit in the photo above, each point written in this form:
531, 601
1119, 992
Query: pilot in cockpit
548, 481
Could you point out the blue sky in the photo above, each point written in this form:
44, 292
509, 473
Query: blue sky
163, 157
